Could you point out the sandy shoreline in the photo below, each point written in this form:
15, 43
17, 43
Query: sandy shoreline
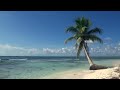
111, 73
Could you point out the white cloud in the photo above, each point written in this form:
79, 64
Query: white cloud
8, 50
119, 43
60, 51
103, 50
106, 50
107, 39
89, 41
99, 50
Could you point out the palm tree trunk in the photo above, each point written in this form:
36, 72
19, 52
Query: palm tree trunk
87, 55
92, 65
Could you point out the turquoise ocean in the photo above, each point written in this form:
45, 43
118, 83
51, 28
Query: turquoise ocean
34, 67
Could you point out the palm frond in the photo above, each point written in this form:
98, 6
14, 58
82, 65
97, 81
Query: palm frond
69, 39
83, 24
88, 23
71, 29
94, 38
82, 33
83, 29
95, 31
79, 40
78, 21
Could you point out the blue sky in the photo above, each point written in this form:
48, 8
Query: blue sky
43, 32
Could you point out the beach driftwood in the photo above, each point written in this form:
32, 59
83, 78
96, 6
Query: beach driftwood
97, 67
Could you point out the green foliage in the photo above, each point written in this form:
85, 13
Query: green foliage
82, 32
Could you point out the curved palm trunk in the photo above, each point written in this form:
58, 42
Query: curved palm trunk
87, 55
92, 65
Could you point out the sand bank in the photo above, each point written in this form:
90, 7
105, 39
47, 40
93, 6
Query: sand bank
111, 73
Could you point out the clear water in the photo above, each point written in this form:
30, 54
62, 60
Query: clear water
21, 67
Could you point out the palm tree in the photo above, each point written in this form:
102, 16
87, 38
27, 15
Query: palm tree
81, 34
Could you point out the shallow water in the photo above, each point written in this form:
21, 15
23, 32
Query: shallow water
38, 67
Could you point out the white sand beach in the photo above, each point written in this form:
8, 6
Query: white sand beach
111, 73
